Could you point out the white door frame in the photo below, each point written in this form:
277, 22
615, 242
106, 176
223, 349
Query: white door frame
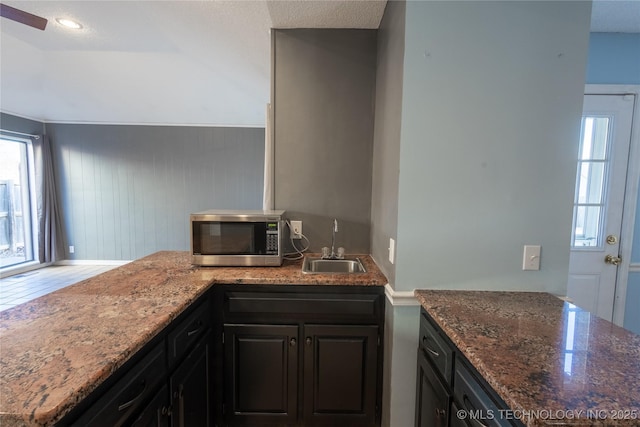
630, 196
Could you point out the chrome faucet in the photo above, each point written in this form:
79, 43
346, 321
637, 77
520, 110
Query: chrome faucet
331, 253
334, 230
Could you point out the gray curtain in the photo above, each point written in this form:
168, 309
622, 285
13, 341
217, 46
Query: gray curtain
50, 238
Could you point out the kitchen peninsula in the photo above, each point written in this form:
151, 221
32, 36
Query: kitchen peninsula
548, 361
57, 349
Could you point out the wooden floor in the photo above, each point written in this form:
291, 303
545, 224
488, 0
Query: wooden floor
24, 287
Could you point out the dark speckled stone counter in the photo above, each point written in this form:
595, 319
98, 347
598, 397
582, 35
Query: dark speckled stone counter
553, 362
58, 348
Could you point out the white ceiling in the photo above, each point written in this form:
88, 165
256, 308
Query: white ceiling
174, 62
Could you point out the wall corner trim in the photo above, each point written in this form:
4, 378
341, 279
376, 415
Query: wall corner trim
400, 298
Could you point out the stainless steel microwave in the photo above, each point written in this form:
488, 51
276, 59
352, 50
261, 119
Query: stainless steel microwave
237, 238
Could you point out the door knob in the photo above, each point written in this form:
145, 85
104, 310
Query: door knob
614, 260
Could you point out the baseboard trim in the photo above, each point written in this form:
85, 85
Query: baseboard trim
401, 298
92, 262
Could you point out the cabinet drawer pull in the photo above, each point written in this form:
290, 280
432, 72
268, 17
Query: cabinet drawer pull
425, 339
196, 330
125, 405
470, 408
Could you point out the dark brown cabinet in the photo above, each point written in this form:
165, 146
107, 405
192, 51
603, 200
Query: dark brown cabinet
322, 367
340, 364
159, 388
190, 386
261, 371
157, 412
449, 392
433, 399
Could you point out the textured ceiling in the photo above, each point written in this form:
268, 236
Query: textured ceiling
174, 62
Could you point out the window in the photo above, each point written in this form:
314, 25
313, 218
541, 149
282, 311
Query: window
593, 168
17, 199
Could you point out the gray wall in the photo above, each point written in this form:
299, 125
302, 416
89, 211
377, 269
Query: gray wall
127, 191
19, 124
492, 100
490, 112
323, 100
386, 145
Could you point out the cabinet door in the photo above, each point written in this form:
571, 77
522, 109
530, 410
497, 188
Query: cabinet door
260, 368
190, 387
340, 375
156, 413
432, 400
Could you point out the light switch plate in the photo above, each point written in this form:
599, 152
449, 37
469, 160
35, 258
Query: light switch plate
531, 257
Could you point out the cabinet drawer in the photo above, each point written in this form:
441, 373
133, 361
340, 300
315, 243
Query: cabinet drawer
480, 407
188, 331
302, 304
435, 348
120, 401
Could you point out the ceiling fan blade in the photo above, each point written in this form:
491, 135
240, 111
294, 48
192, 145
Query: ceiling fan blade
22, 17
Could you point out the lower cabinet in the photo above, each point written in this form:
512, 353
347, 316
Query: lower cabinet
433, 399
160, 389
253, 356
185, 400
156, 413
340, 369
261, 374
449, 392
322, 368
190, 386
124, 398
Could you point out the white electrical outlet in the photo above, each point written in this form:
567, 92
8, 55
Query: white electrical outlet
392, 250
531, 257
296, 229
72, 249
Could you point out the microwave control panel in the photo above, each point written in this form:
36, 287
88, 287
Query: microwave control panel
273, 238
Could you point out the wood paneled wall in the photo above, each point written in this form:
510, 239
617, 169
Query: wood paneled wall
127, 191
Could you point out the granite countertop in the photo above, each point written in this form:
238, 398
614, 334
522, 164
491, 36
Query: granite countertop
58, 348
550, 361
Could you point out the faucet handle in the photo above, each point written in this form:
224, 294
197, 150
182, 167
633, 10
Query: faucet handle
326, 252
340, 253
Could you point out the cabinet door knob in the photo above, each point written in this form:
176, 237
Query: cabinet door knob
292, 342
309, 340
440, 413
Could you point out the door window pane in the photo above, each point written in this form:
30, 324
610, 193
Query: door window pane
591, 183
591, 179
16, 245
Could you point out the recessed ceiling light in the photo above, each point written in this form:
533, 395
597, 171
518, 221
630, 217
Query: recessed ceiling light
69, 23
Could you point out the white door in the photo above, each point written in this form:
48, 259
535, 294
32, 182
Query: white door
598, 204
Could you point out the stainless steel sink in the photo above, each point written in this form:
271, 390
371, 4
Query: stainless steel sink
331, 266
